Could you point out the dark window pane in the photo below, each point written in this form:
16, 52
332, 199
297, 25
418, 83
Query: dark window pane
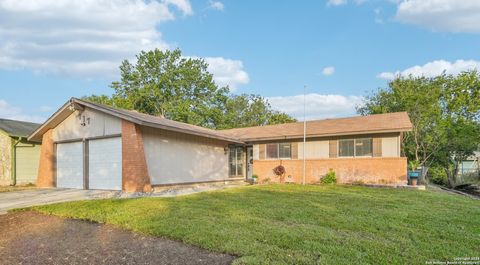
239, 169
233, 170
285, 150
346, 147
363, 147
231, 155
239, 153
272, 151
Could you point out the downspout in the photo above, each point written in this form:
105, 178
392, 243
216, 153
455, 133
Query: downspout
14, 161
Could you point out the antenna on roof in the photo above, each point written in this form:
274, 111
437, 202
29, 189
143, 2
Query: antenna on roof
304, 131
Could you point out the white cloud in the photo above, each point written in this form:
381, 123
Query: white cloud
344, 2
336, 2
378, 15
8, 111
441, 15
433, 69
45, 109
227, 72
318, 106
86, 38
217, 5
328, 70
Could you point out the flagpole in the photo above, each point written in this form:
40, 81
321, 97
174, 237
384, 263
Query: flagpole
304, 132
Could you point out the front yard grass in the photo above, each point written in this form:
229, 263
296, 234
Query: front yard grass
294, 224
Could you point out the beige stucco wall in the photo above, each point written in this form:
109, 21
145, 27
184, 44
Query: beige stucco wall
391, 146
5, 162
100, 125
314, 149
256, 152
179, 158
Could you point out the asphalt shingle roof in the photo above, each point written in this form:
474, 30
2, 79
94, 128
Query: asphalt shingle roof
18, 128
379, 123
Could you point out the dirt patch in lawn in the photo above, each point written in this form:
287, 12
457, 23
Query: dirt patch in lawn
32, 238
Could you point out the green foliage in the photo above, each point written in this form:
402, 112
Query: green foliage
296, 224
445, 112
329, 178
413, 164
254, 176
438, 175
251, 110
165, 83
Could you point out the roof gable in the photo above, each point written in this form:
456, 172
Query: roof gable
132, 116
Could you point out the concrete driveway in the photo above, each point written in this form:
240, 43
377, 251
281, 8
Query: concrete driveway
26, 198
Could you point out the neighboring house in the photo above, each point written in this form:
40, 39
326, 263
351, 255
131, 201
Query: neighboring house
471, 165
19, 157
92, 146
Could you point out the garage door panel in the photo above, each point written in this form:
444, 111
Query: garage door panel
70, 165
105, 164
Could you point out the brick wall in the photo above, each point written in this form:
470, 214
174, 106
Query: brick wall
46, 168
134, 166
375, 170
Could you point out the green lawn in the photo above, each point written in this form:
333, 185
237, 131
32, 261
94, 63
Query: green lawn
293, 224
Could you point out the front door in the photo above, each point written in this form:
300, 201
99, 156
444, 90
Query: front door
249, 162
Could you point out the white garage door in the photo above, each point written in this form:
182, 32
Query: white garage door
70, 165
105, 164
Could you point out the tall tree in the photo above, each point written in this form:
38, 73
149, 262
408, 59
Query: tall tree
445, 113
251, 110
179, 88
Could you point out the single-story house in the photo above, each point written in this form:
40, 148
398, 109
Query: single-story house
91, 146
19, 157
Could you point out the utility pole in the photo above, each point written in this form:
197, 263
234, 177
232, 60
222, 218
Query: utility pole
304, 132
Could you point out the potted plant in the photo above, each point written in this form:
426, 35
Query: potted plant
413, 173
255, 178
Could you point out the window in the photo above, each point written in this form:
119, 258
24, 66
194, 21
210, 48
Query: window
346, 147
355, 147
279, 151
235, 161
363, 147
285, 150
272, 151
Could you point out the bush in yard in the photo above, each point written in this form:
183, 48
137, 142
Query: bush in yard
329, 178
438, 176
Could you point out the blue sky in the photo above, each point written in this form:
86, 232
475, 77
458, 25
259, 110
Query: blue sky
341, 49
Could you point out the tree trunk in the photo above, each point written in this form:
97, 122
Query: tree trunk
451, 181
452, 176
